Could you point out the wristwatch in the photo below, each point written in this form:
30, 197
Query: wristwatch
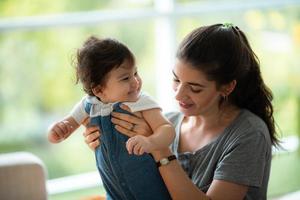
165, 161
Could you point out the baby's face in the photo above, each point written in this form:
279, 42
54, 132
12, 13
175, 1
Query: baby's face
123, 84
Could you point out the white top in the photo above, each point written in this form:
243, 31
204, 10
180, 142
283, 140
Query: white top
98, 108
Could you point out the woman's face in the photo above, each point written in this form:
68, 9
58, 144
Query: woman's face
195, 94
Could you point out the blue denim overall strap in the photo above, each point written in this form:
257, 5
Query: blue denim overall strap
124, 176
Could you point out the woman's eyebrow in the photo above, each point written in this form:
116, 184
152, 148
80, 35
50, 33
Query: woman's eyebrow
174, 73
196, 84
191, 83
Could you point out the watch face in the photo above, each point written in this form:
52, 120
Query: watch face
164, 161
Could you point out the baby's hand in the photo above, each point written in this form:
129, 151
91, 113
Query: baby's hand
138, 145
59, 131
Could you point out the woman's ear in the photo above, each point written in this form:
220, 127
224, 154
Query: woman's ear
228, 88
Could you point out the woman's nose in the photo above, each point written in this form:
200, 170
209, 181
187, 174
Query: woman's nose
179, 92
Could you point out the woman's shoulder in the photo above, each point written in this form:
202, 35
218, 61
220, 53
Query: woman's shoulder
251, 121
249, 124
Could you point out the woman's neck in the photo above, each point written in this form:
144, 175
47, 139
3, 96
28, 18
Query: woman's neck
198, 131
214, 120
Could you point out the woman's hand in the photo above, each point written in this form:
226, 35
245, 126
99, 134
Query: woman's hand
131, 125
92, 135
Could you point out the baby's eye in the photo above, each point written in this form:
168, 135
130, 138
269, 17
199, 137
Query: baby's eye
125, 79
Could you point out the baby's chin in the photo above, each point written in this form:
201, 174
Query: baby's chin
133, 99
133, 96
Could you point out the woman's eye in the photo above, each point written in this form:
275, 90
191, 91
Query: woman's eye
136, 73
196, 90
176, 80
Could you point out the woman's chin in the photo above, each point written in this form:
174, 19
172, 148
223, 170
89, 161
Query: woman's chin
187, 111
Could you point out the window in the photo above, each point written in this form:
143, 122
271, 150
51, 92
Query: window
38, 42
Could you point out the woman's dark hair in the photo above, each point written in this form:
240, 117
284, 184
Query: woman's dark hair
96, 58
223, 53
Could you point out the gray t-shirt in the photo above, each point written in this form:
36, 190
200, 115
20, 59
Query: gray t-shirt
241, 154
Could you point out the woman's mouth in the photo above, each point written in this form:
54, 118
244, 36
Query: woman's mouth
185, 105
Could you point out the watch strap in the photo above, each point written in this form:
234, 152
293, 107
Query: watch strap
165, 161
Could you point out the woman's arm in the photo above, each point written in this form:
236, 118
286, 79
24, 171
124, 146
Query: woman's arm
173, 174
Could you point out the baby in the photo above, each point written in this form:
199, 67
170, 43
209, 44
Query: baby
106, 69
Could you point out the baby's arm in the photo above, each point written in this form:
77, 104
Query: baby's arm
64, 128
163, 134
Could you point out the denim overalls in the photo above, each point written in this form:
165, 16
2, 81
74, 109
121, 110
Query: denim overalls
124, 176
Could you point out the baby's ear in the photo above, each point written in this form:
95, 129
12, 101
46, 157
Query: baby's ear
97, 90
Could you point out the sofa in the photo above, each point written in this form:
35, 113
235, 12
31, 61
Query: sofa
22, 176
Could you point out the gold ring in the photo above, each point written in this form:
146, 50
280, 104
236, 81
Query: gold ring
133, 125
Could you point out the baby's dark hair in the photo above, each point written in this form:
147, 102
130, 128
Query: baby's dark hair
96, 58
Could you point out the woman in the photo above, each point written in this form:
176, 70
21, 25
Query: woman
225, 128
